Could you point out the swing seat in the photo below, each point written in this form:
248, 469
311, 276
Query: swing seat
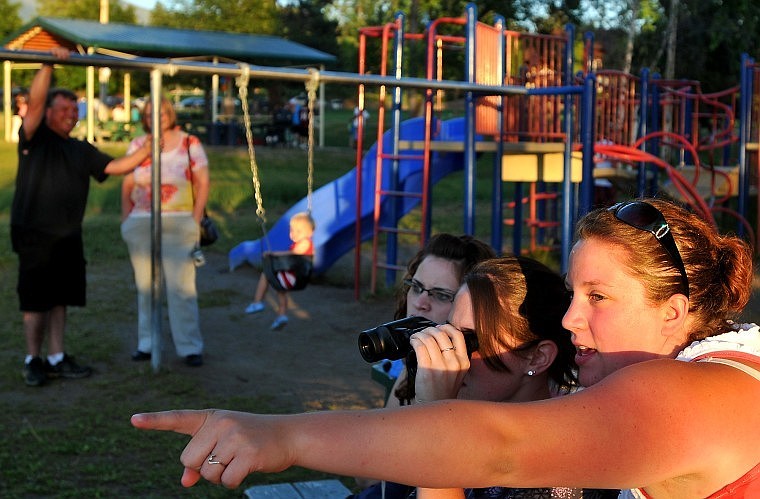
287, 272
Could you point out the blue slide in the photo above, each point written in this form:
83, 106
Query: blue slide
334, 204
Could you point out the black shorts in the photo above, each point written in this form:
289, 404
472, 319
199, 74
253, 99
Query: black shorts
51, 270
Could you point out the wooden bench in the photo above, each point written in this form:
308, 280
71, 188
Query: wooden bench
318, 489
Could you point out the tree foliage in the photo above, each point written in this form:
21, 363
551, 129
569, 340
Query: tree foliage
711, 37
559, 14
235, 16
10, 20
711, 40
305, 23
86, 9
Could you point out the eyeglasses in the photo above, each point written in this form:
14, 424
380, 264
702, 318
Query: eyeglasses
644, 216
438, 294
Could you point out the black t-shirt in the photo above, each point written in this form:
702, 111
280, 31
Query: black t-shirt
53, 181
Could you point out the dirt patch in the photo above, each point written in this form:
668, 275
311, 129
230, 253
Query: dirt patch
312, 363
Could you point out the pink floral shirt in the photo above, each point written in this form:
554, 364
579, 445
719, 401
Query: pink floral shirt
176, 179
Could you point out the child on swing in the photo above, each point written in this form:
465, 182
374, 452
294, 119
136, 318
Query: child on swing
301, 231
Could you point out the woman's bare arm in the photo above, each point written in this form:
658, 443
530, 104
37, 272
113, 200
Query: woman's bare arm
635, 428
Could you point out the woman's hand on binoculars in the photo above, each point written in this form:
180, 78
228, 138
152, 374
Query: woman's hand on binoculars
442, 362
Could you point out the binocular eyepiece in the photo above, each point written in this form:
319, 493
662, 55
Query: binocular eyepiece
391, 340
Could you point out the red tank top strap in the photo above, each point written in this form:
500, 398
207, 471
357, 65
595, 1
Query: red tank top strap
748, 486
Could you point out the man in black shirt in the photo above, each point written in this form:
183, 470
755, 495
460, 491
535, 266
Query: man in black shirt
52, 185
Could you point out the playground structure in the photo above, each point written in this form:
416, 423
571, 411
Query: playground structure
526, 105
642, 129
492, 56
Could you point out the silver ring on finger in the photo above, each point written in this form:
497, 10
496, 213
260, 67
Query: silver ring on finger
212, 460
448, 349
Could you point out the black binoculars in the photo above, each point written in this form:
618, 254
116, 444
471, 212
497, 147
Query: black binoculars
391, 340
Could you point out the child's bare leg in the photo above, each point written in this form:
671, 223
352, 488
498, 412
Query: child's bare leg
282, 305
257, 305
261, 288
282, 301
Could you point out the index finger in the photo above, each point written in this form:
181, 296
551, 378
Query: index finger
186, 422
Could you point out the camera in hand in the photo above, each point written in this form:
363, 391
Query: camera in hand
391, 340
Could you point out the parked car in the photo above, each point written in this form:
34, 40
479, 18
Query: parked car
190, 103
198, 102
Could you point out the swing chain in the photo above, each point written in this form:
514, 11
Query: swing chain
242, 84
312, 85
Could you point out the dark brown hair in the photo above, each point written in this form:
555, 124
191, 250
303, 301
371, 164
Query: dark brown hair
63, 92
516, 303
464, 250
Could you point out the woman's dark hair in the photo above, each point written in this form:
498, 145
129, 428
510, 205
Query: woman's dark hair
465, 250
516, 303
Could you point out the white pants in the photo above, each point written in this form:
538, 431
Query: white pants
178, 236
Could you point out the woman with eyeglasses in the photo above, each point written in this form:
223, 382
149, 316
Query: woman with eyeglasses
432, 278
430, 283
672, 407
434, 274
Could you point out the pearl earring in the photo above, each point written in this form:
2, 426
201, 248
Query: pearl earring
531, 372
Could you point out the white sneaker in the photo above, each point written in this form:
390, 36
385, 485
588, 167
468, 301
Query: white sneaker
254, 308
279, 323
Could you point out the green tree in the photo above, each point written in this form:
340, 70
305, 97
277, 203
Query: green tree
559, 13
711, 38
619, 25
236, 16
10, 20
87, 9
304, 22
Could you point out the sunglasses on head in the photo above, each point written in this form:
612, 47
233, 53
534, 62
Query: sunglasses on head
644, 216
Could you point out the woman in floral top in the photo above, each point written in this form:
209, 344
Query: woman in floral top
184, 191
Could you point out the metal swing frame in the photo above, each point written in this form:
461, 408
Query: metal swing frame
158, 67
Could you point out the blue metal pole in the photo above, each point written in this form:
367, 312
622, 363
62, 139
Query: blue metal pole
643, 116
588, 108
745, 114
567, 177
469, 113
588, 67
687, 128
518, 216
653, 125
